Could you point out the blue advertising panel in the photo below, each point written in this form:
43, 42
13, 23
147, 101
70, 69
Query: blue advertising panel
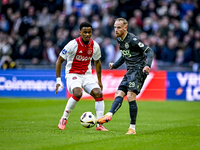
30, 83
183, 86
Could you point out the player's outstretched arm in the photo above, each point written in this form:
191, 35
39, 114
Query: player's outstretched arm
59, 62
117, 64
97, 64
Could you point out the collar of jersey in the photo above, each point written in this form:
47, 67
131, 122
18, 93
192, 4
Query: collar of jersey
83, 44
124, 37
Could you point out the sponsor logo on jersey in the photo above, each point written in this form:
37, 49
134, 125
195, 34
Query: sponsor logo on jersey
126, 45
134, 39
141, 44
64, 51
82, 58
126, 53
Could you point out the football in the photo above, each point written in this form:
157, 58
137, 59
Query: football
88, 119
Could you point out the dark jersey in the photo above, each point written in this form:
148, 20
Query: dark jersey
133, 52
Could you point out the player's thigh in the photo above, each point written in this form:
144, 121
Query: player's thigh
90, 83
73, 81
123, 87
136, 80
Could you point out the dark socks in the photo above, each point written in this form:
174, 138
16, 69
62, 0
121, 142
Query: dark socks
133, 111
116, 104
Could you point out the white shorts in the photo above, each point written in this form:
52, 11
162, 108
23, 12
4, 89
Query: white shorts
87, 82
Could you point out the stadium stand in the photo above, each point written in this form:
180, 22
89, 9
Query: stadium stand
32, 33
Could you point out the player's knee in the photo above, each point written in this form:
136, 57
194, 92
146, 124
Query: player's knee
131, 96
77, 92
96, 93
78, 95
120, 93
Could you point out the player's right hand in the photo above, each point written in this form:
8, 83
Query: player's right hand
111, 66
58, 84
57, 87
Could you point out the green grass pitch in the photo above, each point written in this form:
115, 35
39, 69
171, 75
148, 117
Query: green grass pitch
31, 124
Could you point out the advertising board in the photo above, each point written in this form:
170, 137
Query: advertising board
153, 89
159, 85
183, 86
29, 83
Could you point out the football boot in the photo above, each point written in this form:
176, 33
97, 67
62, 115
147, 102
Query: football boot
131, 131
104, 119
62, 124
101, 128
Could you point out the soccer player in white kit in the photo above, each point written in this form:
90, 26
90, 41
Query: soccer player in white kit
79, 53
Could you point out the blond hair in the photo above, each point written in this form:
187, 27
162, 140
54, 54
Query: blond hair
125, 22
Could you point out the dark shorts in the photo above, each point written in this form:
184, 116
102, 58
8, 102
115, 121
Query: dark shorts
133, 81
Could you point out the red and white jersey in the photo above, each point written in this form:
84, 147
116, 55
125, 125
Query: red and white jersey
79, 56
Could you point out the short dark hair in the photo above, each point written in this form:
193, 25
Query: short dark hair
85, 24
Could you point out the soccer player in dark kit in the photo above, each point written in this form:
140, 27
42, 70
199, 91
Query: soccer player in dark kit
138, 66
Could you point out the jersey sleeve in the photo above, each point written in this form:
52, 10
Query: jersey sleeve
140, 44
146, 49
119, 62
68, 49
96, 51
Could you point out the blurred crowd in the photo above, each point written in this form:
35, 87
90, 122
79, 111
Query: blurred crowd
38, 30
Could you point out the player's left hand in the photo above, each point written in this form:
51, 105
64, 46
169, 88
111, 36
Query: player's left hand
111, 66
146, 69
101, 85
